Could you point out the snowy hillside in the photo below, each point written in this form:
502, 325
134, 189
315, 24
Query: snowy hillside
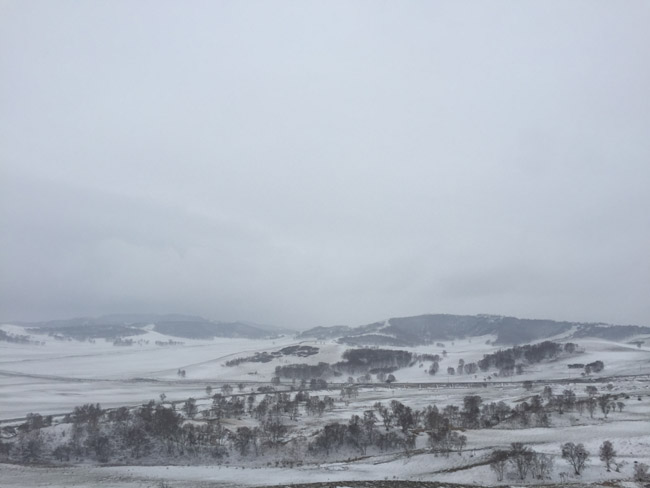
433, 328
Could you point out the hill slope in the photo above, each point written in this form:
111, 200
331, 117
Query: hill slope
175, 325
426, 329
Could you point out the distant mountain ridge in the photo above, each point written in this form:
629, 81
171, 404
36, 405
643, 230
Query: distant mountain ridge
175, 325
426, 329
398, 331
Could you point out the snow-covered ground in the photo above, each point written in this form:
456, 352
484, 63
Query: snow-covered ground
55, 376
630, 437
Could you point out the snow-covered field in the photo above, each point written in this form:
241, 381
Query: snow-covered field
55, 376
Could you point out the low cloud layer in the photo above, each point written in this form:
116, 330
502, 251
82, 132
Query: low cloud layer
314, 163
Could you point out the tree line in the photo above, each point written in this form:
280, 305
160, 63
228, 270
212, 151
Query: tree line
159, 432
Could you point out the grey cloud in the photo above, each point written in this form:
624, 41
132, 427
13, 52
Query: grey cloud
317, 163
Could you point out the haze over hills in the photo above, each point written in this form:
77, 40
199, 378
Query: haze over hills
398, 331
175, 325
425, 329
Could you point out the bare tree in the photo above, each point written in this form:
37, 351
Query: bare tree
385, 414
575, 455
243, 440
641, 472
607, 454
31, 446
521, 458
569, 399
591, 405
460, 442
190, 408
547, 393
542, 465
498, 463
604, 402
274, 430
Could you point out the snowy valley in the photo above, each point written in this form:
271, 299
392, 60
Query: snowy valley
132, 406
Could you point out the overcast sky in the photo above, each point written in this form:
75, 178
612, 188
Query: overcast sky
325, 162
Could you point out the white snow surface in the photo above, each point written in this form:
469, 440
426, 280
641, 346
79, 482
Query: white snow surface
55, 377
